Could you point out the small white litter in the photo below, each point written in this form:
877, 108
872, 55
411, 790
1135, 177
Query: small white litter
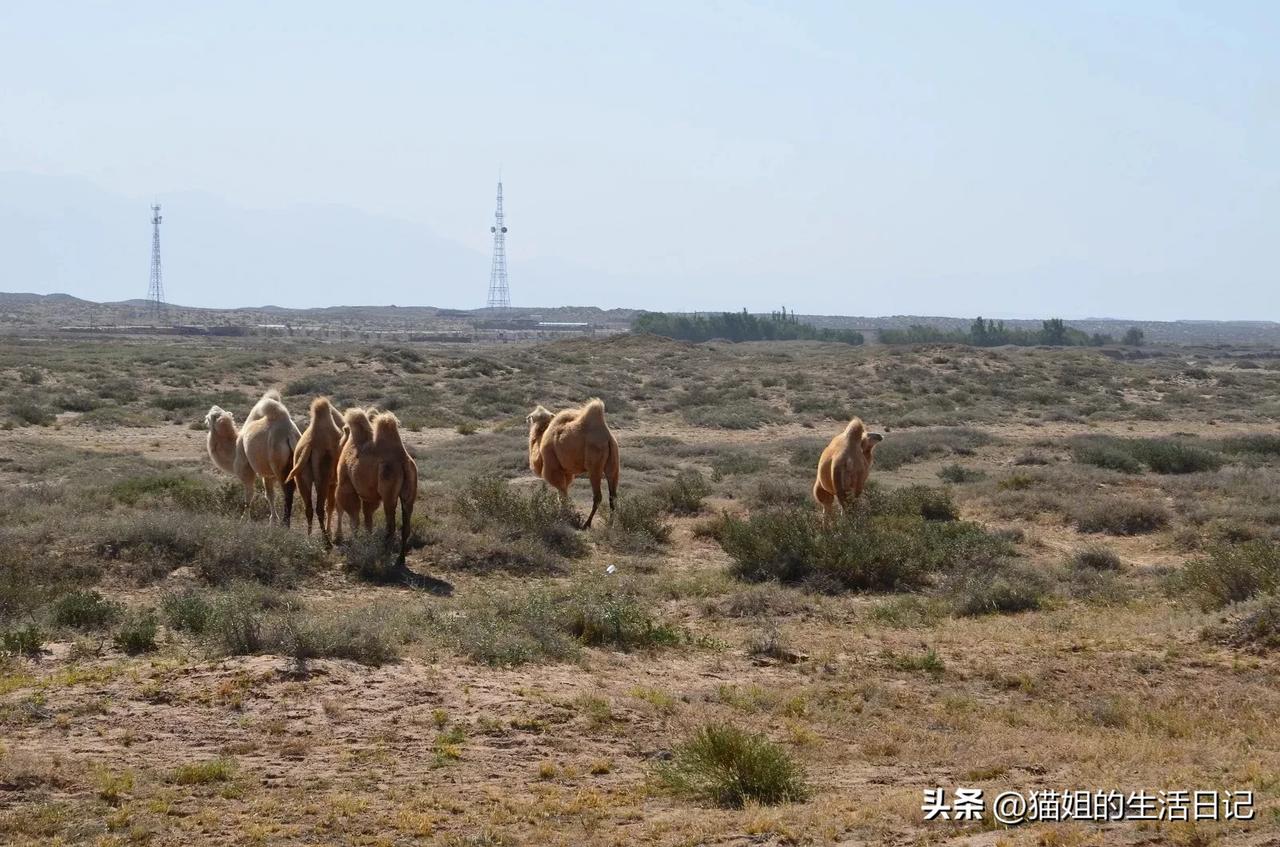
611, 569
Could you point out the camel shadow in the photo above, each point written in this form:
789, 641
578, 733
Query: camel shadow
423, 582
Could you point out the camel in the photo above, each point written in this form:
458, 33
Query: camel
263, 447
574, 442
844, 467
375, 468
315, 464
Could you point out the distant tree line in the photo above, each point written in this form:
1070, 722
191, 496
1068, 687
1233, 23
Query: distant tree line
984, 333
739, 326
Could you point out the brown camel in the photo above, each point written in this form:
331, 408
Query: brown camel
844, 466
574, 442
375, 468
315, 463
262, 448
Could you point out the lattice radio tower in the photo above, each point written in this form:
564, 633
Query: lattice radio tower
155, 292
499, 292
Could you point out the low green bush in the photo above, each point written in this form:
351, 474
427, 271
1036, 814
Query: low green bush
1231, 573
85, 610
137, 632
1119, 515
488, 502
884, 545
684, 494
729, 767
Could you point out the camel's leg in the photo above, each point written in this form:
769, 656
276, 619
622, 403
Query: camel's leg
406, 517
289, 486
368, 514
304, 490
613, 491
596, 497
825, 499
322, 504
271, 498
250, 489
389, 514
346, 503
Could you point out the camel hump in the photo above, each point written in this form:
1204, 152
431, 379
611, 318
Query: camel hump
357, 423
855, 429
272, 410
594, 410
320, 407
386, 427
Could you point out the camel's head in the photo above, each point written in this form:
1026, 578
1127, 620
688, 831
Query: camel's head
216, 416
869, 442
538, 420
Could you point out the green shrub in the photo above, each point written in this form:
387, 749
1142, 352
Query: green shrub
1176, 457
995, 587
183, 491
1121, 516
901, 448
188, 611
1232, 573
1095, 557
774, 493
724, 765
868, 548
30, 413
732, 414
84, 610
508, 629
927, 662
488, 502
368, 557
932, 504
1262, 444
221, 549
683, 495
1161, 455
1255, 626
638, 525
1106, 456
359, 636
737, 463
137, 633
959, 474
203, 773
27, 641
599, 616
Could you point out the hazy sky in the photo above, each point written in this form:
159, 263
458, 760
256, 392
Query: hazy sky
1010, 159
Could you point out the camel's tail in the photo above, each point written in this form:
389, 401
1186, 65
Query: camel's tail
855, 429
299, 462
594, 410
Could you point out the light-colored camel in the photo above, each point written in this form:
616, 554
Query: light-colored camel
573, 442
315, 464
263, 447
844, 466
374, 468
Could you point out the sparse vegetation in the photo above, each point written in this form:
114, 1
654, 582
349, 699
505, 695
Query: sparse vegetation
713, 595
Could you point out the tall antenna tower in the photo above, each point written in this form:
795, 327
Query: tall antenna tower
499, 292
155, 293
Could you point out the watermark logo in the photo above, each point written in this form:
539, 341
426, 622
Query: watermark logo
1096, 805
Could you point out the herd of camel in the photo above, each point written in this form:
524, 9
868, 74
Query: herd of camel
346, 463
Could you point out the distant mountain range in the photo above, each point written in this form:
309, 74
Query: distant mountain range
20, 311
